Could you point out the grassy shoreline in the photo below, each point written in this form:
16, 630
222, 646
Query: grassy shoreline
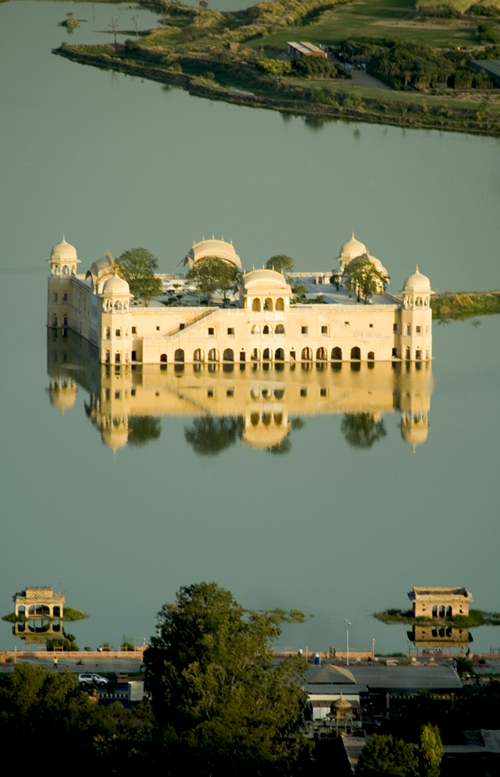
465, 304
475, 618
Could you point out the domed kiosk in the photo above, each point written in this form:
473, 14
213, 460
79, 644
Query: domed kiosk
213, 247
63, 259
351, 250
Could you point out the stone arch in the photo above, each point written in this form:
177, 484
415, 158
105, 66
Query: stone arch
118, 305
268, 304
307, 355
336, 354
280, 304
356, 353
255, 329
54, 320
228, 355
419, 302
256, 304
418, 354
371, 356
163, 358
255, 357
199, 355
279, 355
267, 330
107, 357
279, 329
321, 355
118, 357
179, 355
213, 355
267, 354
108, 333
65, 269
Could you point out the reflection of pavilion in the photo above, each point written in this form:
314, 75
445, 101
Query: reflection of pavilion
267, 399
439, 640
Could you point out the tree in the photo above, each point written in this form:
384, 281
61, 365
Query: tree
362, 430
212, 274
221, 706
431, 751
138, 267
281, 263
385, 756
364, 278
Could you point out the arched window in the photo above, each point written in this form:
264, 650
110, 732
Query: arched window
336, 354
356, 353
255, 329
279, 356
418, 354
65, 269
371, 356
254, 419
279, 330
213, 355
418, 302
255, 355
267, 354
118, 305
307, 354
242, 356
54, 320
280, 303
267, 330
179, 355
107, 357
228, 355
426, 302
118, 357
163, 357
198, 355
321, 355
408, 355
256, 304
268, 303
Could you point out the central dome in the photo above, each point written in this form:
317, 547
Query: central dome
352, 249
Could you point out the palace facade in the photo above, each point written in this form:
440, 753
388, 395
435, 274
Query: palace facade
261, 325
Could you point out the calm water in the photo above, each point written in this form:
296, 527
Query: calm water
336, 530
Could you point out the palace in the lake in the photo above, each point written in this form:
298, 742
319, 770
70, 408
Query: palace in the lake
261, 324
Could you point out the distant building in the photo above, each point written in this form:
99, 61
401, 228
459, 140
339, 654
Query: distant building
303, 49
489, 66
440, 602
43, 610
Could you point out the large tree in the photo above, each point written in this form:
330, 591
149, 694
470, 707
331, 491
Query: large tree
138, 267
281, 263
364, 278
221, 706
212, 274
431, 751
385, 756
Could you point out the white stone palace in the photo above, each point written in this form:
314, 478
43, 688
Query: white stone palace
261, 325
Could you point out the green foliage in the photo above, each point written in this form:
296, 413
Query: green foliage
138, 266
143, 429
221, 706
463, 305
310, 67
364, 278
473, 619
212, 274
431, 751
299, 291
275, 67
65, 642
127, 643
71, 23
72, 614
281, 263
385, 756
13, 618
209, 436
362, 430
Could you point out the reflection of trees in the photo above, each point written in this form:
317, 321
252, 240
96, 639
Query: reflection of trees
209, 436
143, 429
285, 446
361, 430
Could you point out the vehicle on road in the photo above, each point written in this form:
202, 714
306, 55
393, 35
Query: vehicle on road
90, 678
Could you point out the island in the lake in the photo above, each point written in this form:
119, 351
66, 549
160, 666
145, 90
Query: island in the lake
414, 64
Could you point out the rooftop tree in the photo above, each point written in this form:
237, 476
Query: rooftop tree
212, 274
138, 267
364, 278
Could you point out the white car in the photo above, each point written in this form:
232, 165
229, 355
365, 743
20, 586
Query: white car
89, 678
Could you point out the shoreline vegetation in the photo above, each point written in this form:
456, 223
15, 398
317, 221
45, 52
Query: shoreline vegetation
69, 614
465, 304
240, 57
475, 618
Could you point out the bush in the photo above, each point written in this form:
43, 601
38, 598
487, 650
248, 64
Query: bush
275, 67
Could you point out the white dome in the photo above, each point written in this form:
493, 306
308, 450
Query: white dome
63, 251
352, 249
213, 247
116, 285
265, 279
417, 282
378, 264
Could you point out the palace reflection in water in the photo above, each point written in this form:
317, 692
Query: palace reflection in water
259, 404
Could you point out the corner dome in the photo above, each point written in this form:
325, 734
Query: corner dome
116, 285
417, 282
63, 251
414, 433
352, 249
265, 279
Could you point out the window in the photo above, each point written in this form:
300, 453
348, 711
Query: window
117, 394
134, 330
371, 326
211, 331
266, 330
395, 328
323, 392
118, 332
324, 330
157, 328
132, 392
108, 333
210, 393
418, 330
54, 297
303, 392
65, 297
303, 330
408, 329
280, 329
346, 323
230, 331
181, 326
230, 393
134, 357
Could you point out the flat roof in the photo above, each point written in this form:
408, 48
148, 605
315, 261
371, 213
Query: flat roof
489, 65
305, 48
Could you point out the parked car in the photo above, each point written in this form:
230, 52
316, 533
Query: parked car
90, 678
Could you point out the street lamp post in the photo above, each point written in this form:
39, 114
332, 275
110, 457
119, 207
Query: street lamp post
348, 624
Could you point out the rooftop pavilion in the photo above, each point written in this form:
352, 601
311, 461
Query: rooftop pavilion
440, 602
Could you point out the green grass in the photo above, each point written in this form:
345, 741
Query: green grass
474, 619
373, 19
464, 305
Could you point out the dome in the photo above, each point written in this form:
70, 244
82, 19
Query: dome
265, 279
62, 396
378, 264
417, 282
64, 252
352, 249
115, 438
414, 433
213, 247
264, 436
116, 285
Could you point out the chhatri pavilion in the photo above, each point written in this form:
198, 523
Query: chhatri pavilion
261, 324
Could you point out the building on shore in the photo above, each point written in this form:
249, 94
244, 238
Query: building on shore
440, 602
261, 325
304, 49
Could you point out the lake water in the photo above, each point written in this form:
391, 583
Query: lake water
338, 531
